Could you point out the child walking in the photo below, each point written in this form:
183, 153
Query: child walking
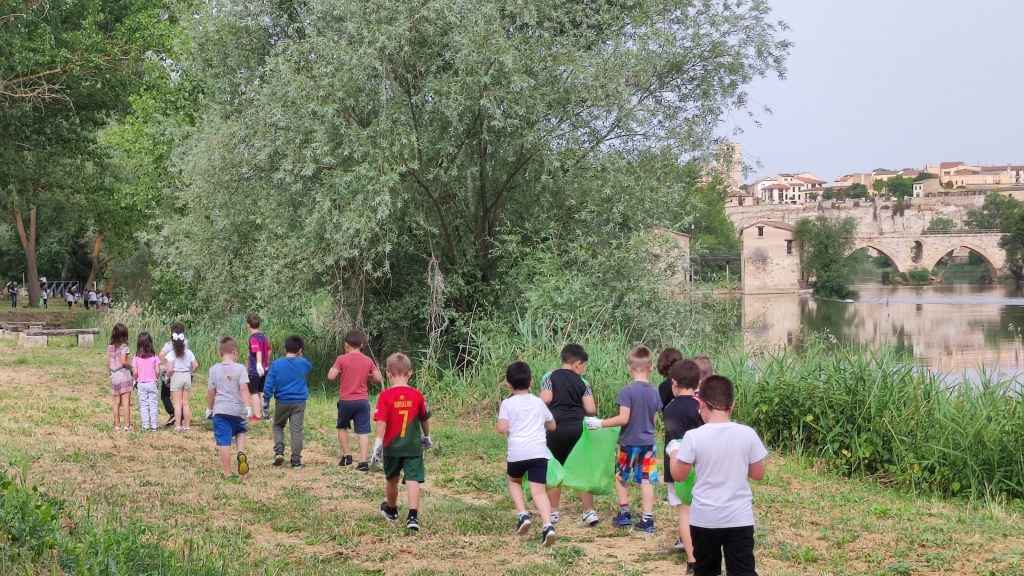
403, 432
639, 403
120, 365
165, 374
259, 361
570, 399
287, 383
228, 404
525, 419
681, 415
181, 363
144, 368
724, 454
354, 370
666, 360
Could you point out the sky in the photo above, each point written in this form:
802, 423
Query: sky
890, 84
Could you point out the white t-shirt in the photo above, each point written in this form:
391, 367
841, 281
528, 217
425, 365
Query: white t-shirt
722, 454
182, 364
527, 436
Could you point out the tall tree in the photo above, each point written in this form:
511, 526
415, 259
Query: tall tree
366, 137
824, 244
65, 66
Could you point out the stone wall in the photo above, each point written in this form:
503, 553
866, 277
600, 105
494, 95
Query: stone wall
770, 259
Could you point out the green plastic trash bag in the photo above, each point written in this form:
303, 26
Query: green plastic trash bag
684, 490
590, 466
555, 473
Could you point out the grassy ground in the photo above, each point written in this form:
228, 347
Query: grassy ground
55, 426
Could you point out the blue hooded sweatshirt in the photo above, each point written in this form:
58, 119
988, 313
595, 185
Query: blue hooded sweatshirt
286, 380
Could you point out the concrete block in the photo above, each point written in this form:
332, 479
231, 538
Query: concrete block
86, 340
33, 341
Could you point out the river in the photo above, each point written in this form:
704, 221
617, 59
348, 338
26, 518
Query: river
959, 330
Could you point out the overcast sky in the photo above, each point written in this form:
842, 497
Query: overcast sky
893, 84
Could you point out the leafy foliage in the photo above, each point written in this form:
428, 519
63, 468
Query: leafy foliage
824, 245
941, 224
346, 144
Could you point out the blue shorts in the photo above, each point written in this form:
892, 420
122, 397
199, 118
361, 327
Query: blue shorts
226, 427
354, 412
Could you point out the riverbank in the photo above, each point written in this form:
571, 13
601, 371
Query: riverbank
157, 498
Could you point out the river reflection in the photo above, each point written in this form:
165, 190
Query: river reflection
958, 329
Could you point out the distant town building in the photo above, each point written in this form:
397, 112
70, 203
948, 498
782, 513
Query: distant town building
787, 188
961, 175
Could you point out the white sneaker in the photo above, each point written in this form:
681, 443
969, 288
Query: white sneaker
555, 517
590, 518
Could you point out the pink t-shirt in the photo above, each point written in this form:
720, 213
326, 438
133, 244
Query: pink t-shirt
355, 369
145, 368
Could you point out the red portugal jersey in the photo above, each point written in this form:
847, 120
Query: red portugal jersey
402, 409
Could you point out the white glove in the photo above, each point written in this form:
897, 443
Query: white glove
592, 423
672, 447
248, 412
209, 413
426, 443
378, 452
260, 370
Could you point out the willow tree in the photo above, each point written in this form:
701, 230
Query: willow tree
349, 142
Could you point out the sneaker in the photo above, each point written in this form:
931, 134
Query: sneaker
362, 466
523, 523
297, 465
345, 461
691, 567
243, 464
179, 429
555, 517
590, 518
623, 520
412, 524
389, 513
547, 537
646, 526
278, 459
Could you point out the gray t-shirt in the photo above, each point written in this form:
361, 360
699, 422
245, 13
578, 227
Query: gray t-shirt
225, 379
721, 454
644, 403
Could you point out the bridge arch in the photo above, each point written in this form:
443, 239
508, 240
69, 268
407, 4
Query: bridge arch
883, 250
992, 265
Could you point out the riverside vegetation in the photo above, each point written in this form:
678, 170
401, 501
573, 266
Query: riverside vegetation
866, 452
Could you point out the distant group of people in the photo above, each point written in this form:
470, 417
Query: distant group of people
708, 459
91, 299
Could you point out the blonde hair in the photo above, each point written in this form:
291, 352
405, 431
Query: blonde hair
227, 346
398, 364
706, 369
640, 358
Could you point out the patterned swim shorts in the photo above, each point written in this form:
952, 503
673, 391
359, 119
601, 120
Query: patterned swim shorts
636, 464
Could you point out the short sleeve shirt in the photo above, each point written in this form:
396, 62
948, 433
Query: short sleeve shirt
225, 380
145, 368
402, 409
644, 403
721, 454
258, 342
568, 389
354, 369
527, 437
181, 363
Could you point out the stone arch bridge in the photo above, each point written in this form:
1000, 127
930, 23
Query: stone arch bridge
909, 251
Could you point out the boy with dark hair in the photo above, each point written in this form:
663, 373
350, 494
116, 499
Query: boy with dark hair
403, 432
639, 403
570, 399
724, 454
287, 383
666, 360
681, 415
227, 402
354, 370
259, 361
524, 418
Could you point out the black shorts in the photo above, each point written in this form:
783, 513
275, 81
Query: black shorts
535, 470
563, 439
256, 382
354, 412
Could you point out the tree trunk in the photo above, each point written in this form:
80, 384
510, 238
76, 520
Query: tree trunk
97, 247
28, 243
